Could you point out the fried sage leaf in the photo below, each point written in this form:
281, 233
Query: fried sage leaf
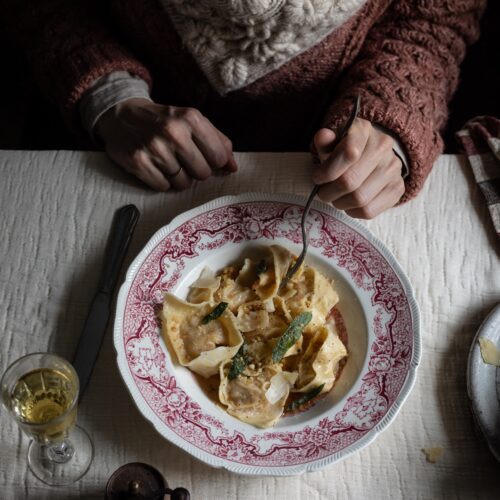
291, 335
215, 313
240, 361
261, 267
305, 398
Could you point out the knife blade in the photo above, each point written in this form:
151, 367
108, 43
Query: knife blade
96, 323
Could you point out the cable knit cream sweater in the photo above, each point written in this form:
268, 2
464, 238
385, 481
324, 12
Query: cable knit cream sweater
236, 42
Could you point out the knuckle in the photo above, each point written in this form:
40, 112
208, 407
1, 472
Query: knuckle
227, 142
170, 111
348, 181
395, 167
399, 188
220, 158
163, 122
170, 129
361, 197
365, 126
351, 151
227, 145
386, 142
139, 159
155, 145
174, 134
192, 115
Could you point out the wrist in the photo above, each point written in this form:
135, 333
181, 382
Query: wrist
113, 116
128, 104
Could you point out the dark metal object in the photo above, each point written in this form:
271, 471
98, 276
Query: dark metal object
305, 234
135, 481
98, 316
139, 481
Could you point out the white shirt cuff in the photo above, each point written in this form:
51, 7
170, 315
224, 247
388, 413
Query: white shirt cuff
108, 91
398, 149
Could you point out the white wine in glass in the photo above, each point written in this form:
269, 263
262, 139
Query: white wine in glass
41, 392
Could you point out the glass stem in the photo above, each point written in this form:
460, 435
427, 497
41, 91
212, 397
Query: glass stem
60, 452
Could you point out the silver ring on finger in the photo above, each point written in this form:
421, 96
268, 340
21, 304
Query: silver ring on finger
175, 174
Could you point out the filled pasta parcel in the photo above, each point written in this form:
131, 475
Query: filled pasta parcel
269, 350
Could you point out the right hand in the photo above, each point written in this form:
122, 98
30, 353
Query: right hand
164, 146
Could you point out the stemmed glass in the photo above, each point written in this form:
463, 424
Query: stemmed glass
40, 391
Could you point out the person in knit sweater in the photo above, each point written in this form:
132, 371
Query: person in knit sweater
172, 87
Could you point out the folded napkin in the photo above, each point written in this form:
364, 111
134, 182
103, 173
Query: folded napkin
480, 140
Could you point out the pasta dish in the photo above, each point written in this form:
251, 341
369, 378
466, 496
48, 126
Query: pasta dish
269, 349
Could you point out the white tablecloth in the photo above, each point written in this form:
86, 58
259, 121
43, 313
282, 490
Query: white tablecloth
55, 212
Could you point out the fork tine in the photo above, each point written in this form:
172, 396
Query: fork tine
305, 239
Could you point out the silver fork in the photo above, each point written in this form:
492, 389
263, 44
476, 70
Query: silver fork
305, 235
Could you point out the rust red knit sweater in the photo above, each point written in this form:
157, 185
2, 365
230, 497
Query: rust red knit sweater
401, 56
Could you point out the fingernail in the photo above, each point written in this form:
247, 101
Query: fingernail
221, 172
232, 164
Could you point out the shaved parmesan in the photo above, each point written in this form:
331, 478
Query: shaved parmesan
280, 386
207, 279
291, 377
489, 352
433, 454
269, 305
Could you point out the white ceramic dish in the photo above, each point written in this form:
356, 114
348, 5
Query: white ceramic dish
483, 383
376, 304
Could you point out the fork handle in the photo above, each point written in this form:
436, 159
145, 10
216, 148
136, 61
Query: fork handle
305, 236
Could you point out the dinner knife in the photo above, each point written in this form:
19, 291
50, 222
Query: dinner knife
97, 320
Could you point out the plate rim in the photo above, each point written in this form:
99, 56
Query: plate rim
219, 462
476, 368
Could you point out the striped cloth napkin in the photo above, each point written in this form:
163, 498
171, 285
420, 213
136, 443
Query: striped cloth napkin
480, 140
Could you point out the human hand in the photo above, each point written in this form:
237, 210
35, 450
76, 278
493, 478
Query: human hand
164, 146
362, 174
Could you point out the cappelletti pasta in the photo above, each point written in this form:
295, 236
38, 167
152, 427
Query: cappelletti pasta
273, 348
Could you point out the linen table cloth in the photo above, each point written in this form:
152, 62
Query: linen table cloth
56, 209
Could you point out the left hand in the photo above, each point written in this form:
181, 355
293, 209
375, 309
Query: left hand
362, 175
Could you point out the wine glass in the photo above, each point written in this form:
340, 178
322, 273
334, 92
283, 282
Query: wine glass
40, 391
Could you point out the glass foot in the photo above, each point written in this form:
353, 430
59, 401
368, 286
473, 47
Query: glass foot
63, 464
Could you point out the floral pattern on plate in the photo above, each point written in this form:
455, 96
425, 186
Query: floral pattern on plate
386, 296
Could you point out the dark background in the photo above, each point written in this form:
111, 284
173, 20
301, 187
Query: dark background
28, 121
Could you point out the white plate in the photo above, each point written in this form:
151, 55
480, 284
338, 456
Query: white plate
483, 383
376, 306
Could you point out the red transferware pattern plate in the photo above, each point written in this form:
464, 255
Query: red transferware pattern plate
377, 308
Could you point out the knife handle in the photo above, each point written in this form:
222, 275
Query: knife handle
123, 227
